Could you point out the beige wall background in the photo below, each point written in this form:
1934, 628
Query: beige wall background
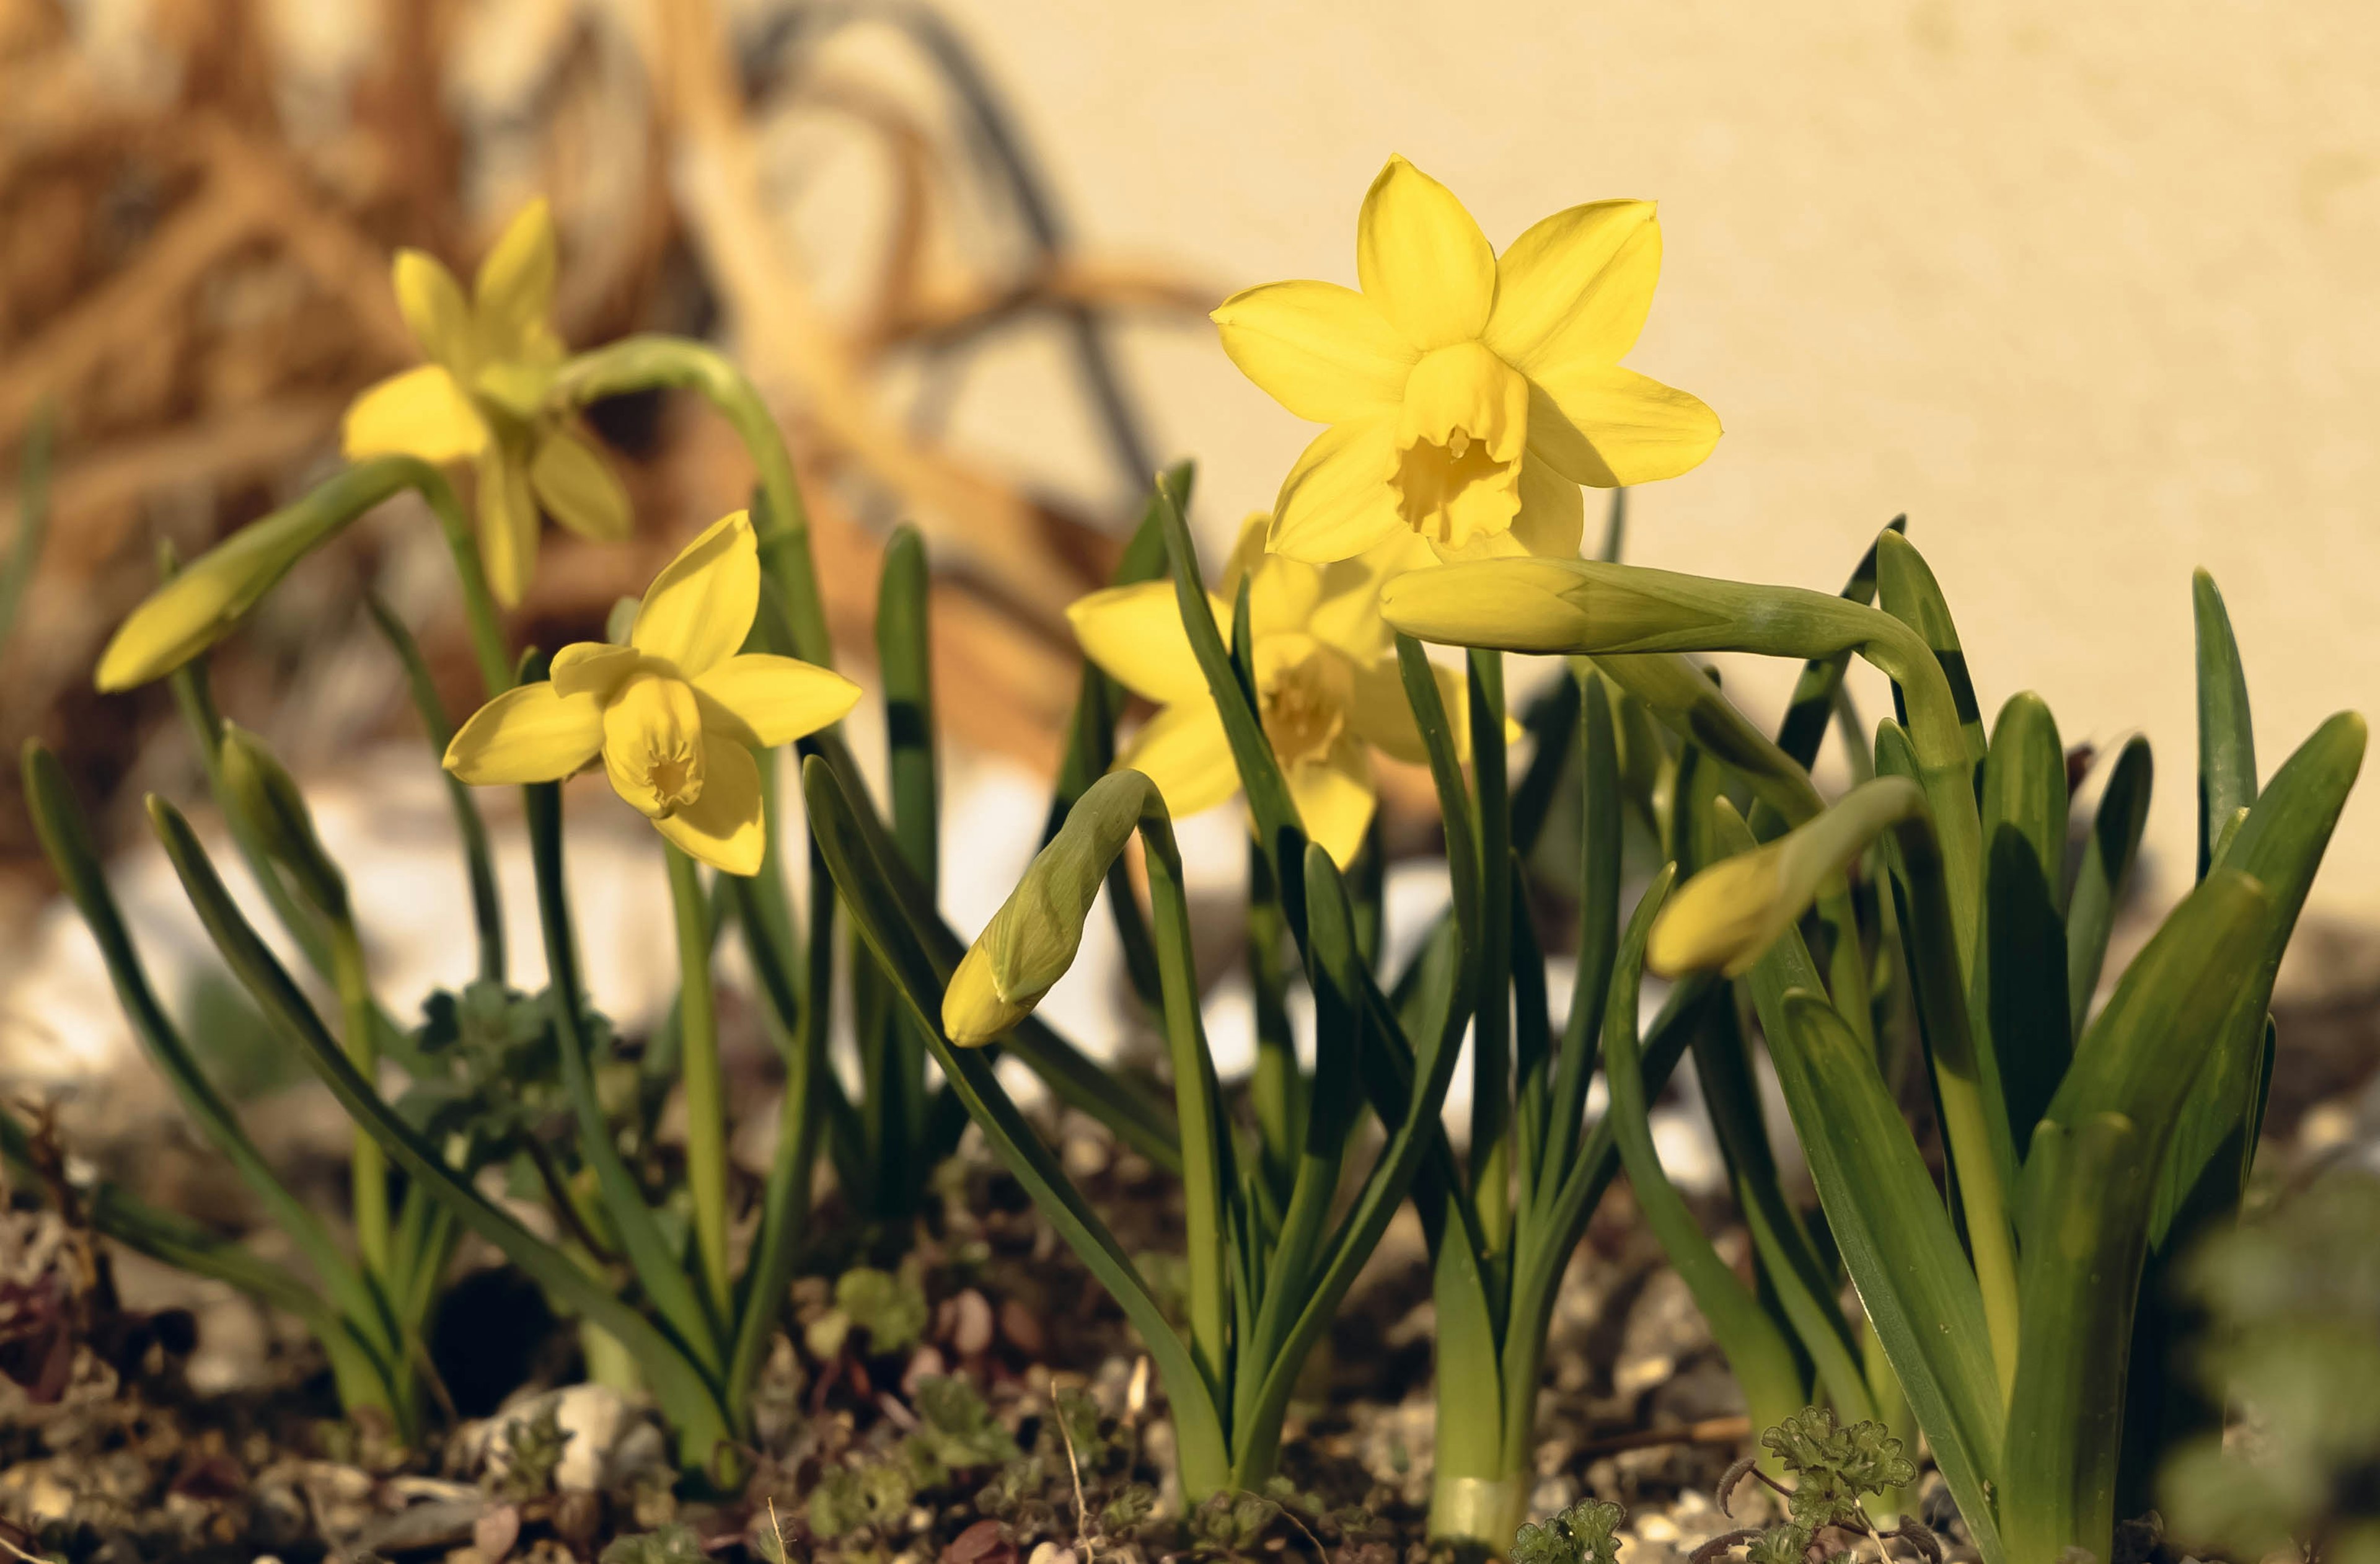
2088, 291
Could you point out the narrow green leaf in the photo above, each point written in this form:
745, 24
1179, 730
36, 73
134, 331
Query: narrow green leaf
66, 839
2087, 1205
2108, 852
2281, 845
1815, 692
1889, 1224
487, 900
883, 920
659, 1265
1906, 588
1756, 1350
686, 1399
2226, 739
2020, 997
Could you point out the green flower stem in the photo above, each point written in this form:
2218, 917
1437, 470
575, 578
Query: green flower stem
1492, 1042
706, 1105
652, 361
368, 1164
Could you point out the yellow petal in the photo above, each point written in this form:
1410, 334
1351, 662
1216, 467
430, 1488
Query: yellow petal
1383, 717
772, 701
577, 487
1553, 512
701, 604
534, 734
596, 668
1282, 592
515, 287
1135, 634
435, 311
419, 413
1183, 750
1336, 501
507, 523
723, 828
1635, 429
1577, 285
1335, 799
1324, 352
1422, 259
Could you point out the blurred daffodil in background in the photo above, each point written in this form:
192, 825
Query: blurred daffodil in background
1468, 395
1327, 689
480, 398
675, 714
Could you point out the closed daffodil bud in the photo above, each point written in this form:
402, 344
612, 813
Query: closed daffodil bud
206, 598
1728, 915
269, 804
1031, 941
973, 1011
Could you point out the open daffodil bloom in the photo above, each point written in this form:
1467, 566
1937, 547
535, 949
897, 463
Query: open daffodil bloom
675, 713
1327, 689
480, 399
1469, 395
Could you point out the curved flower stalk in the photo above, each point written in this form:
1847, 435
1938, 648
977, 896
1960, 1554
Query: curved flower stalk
1326, 686
482, 398
675, 714
1469, 395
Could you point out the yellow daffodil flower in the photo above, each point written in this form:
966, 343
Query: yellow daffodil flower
1468, 395
480, 399
1327, 686
675, 713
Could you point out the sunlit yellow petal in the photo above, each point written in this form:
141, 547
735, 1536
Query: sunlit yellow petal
1282, 592
1183, 750
1135, 634
418, 413
507, 522
1577, 285
596, 668
1637, 429
1337, 502
515, 287
1553, 512
700, 606
1422, 259
435, 311
721, 828
532, 735
775, 699
1335, 799
577, 487
1324, 352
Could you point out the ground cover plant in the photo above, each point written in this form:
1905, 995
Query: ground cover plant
1924, 928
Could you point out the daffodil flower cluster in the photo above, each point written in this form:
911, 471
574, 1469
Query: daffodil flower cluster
481, 399
1327, 686
1469, 395
675, 714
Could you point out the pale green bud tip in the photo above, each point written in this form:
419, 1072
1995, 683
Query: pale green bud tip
1723, 918
973, 1011
1513, 604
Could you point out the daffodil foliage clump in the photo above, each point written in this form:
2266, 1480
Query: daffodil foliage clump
1926, 923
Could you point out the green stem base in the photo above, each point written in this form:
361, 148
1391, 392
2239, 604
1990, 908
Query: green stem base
1484, 1512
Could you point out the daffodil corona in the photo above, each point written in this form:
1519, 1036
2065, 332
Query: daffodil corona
675, 714
1468, 395
1327, 686
480, 399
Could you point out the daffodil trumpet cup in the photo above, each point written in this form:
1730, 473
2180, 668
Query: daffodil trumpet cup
2086, 1148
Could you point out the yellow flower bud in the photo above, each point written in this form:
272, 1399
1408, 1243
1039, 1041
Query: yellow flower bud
974, 1013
